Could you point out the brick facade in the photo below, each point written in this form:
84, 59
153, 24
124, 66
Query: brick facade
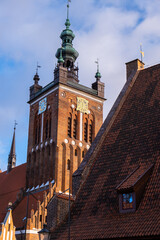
60, 136
58, 209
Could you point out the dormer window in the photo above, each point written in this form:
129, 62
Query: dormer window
130, 190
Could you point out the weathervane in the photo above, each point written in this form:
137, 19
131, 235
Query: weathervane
97, 62
15, 123
142, 53
38, 66
68, 8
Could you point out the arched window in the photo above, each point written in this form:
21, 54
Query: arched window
90, 131
68, 164
86, 130
69, 125
75, 127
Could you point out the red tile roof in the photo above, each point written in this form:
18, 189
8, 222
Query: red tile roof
10, 184
132, 140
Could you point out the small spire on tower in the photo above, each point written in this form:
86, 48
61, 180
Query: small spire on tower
12, 154
98, 75
36, 76
141, 52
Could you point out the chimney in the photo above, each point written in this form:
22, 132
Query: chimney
132, 67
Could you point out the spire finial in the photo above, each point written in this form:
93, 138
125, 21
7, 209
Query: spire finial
98, 75
36, 76
38, 66
97, 62
15, 124
67, 23
142, 53
68, 8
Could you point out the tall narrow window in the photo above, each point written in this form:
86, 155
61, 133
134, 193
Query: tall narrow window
68, 164
75, 152
90, 131
69, 125
46, 129
75, 128
85, 130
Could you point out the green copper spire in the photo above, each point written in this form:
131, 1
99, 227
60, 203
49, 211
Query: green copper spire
69, 54
67, 23
98, 75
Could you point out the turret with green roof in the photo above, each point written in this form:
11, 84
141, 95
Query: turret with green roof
69, 54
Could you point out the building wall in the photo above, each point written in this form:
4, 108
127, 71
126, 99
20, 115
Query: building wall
58, 210
41, 154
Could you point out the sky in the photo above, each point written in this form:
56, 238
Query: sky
110, 30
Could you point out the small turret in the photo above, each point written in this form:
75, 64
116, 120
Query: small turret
98, 85
36, 87
12, 154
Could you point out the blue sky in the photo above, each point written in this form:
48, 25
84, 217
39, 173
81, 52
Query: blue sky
110, 30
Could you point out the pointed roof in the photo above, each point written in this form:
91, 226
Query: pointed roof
13, 151
12, 154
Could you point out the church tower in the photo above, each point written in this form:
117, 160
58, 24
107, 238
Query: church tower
65, 117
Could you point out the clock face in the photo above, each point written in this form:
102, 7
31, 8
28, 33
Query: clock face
42, 105
82, 105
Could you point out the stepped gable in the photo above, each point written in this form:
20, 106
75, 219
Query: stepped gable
10, 185
131, 142
19, 213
